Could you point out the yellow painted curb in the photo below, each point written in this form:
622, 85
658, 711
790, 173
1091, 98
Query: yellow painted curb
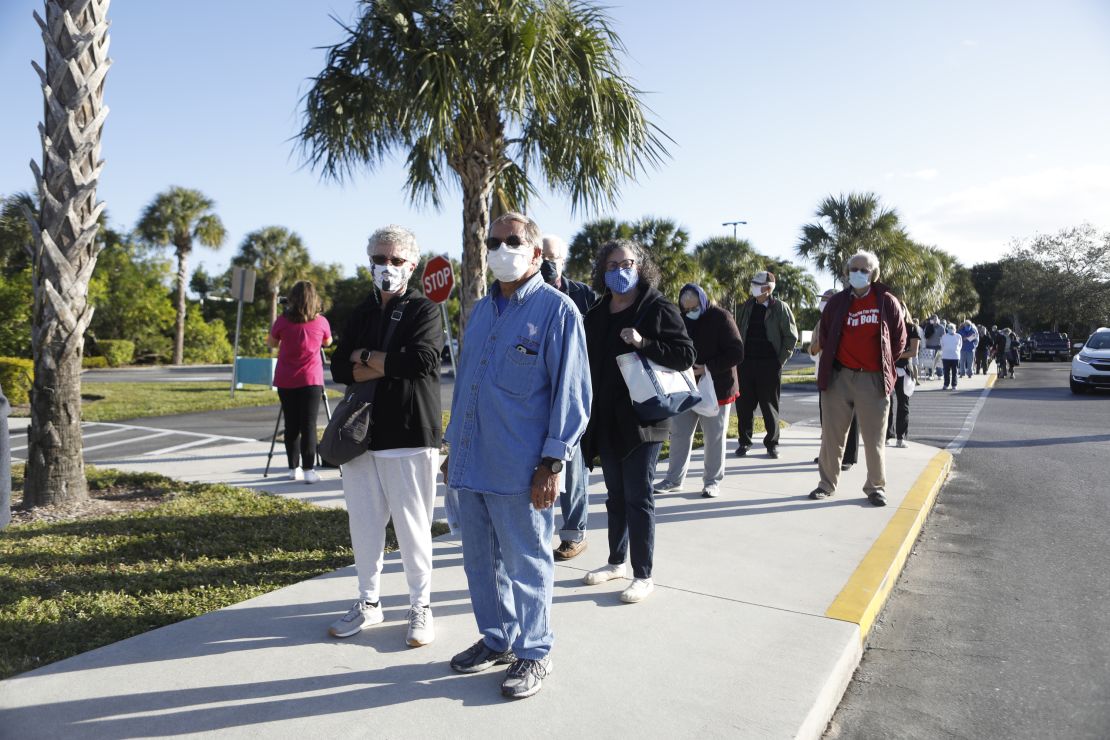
867, 589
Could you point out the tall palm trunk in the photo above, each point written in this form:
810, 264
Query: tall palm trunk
477, 179
182, 306
75, 34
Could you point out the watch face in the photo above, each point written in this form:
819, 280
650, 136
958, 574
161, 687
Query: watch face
556, 466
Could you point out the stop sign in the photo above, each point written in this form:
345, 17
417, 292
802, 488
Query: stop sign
438, 279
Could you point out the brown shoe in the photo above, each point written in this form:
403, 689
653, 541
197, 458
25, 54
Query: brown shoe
567, 549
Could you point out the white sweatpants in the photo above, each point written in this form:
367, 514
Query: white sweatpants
376, 486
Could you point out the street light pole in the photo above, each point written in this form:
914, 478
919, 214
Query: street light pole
734, 224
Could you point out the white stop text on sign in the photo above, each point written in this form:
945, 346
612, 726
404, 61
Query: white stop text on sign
437, 280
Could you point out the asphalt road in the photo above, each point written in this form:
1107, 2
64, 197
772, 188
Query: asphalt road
1000, 625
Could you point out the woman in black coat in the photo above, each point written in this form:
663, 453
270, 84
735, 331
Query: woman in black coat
632, 316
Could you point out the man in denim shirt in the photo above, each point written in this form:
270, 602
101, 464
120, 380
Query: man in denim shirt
520, 406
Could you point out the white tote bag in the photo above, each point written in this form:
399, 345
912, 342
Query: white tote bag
708, 405
657, 392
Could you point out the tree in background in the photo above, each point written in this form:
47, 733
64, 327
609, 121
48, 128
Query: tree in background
582, 249
178, 217
16, 238
499, 93
730, 264
279, 256
16, 247
793, 285
75, 34
986, 276
846, 224
961, 300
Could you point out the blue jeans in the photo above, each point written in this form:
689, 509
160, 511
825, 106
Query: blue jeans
631, 505
510, 570
967, 362
573, 501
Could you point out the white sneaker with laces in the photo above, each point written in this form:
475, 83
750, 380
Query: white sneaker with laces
359, 617
605, 573
311, 476
421, 628
639, 590
296, 474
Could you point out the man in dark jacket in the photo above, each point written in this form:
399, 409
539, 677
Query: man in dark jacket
573, 500
396, 476
861, 333
770, 335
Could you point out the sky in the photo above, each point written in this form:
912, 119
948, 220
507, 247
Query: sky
980, 122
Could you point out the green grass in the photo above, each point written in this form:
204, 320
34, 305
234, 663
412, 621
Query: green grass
70, 586
799, 375
115, 401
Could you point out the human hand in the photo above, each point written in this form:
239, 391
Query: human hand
545, 487
699, 370
361, 373
633, 337
356, 356
443, 467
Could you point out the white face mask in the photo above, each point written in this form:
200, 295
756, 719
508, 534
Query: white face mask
390, 279
859, 280
509, 265
757, 289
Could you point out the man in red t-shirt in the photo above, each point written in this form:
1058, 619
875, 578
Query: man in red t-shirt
861, 333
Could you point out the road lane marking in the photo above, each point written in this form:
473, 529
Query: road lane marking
956, 446
177, 431
129, 440
185, 446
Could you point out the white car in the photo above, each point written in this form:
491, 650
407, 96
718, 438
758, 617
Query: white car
1091, 367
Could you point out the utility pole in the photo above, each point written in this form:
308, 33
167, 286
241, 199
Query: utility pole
734, 224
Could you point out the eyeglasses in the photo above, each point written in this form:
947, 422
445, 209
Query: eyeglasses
512, 242
381, 259
622, 265
865, 270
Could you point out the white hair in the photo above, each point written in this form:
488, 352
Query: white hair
558, 244
872, 262
399, 237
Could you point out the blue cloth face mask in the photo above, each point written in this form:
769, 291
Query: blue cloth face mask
621, 280
859, 279
693, 315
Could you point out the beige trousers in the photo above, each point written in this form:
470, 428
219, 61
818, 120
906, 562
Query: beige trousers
860, 393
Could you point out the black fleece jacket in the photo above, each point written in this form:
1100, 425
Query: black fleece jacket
407, 408
613, 422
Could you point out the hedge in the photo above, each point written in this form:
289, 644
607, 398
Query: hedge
16, 375
116, 351
96, 362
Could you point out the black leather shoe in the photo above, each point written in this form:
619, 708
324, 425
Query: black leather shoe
773, 453
877, 498
819, 494
742, 450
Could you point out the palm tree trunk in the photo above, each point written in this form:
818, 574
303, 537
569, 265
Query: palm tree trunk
477, 184
274, 288
179, 329
75, 34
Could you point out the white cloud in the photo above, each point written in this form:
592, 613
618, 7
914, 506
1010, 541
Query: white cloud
925, 174
978, 223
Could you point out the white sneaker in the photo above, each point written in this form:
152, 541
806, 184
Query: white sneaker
359, 617
311, 476
901, 443
296, 474
639, 590
604, 573
668, 487
421, 628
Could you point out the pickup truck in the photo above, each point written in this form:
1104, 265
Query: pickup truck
1050, 345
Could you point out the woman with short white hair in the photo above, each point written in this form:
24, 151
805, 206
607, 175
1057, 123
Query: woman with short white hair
394, 337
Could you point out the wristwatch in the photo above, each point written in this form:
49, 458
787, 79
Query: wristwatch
364, 358
554, 464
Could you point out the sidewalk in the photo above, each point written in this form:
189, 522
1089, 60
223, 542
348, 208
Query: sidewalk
763, 600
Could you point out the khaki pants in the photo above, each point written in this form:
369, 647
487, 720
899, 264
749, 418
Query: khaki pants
862, 394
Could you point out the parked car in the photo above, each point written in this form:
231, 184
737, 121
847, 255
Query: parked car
1090, 369
1050, 345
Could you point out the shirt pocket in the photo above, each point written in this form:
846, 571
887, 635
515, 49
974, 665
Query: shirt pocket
517, 373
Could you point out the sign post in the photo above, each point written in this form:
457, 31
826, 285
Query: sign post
242, 289
438, 280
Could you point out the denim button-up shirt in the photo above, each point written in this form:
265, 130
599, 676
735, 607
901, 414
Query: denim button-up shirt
523, 391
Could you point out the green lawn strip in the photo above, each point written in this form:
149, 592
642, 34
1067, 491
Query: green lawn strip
70, 586
799, 375
114, 401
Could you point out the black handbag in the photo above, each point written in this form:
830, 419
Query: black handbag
349, 429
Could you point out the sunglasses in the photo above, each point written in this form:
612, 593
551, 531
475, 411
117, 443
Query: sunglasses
381, 259
512, 242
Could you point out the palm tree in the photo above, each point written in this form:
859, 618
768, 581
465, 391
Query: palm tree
177, 218
75, 34
278, 254
497, 91
729, 264
583, 247
794, 286
845, 225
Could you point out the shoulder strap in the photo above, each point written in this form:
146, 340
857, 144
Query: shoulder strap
394, 319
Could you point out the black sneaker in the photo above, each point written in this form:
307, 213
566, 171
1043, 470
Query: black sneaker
773, 453
877, 498
819, 494
525, 678
742, 450
478, 657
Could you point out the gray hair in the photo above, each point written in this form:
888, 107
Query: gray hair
398, 236
531, 228
558, 244
645, 265
872, 263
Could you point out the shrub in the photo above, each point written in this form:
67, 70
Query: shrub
205, 342
94, 363
116, 351
16, 375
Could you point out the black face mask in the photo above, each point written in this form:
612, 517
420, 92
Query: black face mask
549, 271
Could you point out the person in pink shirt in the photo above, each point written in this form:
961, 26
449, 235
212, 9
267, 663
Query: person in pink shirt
298, 334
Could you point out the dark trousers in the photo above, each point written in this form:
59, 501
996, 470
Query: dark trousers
851, 445
300, 406
901, 424
950, 367
760, 380
631, 505
982, 359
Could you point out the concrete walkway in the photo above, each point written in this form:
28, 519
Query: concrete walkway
763, 600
